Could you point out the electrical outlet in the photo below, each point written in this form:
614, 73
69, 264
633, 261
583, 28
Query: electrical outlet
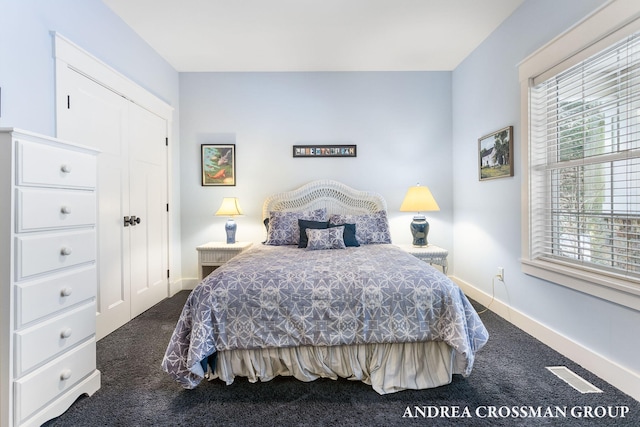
500, 274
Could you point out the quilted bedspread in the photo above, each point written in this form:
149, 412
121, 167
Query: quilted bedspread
282, 296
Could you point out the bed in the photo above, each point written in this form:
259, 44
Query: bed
327, 295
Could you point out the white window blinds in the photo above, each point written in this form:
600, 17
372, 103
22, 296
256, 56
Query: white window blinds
584, 154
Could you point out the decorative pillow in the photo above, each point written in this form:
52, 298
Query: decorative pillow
304, 224
326, 238
283, 226
370, 228
349, 234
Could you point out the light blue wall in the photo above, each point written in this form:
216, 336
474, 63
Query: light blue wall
486, 97
400, 122
27, 66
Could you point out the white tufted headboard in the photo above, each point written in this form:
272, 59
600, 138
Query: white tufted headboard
335, 196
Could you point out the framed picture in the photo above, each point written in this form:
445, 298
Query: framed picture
495, 154
218, 164
324, 151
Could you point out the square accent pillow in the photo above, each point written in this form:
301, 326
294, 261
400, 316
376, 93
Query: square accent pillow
349, 234
304, 224
326, 238
370, 228
284, 229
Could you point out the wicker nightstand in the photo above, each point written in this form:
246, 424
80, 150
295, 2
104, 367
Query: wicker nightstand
430, 253
213, 254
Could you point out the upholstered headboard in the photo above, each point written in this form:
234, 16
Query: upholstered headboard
335, 196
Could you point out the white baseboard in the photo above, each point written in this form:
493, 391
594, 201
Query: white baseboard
182, 285
189, 283
618, 376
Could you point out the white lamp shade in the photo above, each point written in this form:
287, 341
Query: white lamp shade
230, 207
419, 199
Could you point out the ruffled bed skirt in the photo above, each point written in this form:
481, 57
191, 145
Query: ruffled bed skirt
388, 368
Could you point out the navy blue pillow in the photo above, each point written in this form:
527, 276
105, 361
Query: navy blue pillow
349, 234
304, 224
266, 226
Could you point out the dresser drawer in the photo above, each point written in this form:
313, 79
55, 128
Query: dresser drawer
51, 166
41, 209
41, 342
47, 252
45, 383
39, 298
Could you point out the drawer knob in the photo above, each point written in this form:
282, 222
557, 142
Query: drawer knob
65, 251
65, 292
65, 168
65, 333
65, 210
65, 375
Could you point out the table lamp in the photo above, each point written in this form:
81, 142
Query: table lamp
230, 207
419, 199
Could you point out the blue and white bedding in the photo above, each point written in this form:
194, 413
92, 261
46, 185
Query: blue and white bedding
283, 297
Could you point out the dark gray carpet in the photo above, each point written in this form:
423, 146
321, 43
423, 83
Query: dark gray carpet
509, 372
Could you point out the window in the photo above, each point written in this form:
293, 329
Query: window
585, 162
583, 159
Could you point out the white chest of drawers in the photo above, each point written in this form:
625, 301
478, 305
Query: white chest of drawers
48, 276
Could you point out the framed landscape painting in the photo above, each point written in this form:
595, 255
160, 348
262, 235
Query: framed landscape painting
495, 154
218, 164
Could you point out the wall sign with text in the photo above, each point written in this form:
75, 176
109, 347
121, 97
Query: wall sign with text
324, 151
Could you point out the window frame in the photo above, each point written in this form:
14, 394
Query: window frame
610, 23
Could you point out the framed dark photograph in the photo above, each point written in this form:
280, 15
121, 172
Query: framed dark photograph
218, 164
324, 151
495, 154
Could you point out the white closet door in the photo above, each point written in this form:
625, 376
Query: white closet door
97, 117
131, 181
148, 201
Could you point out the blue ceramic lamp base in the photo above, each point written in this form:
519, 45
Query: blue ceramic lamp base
420, 230
230, 228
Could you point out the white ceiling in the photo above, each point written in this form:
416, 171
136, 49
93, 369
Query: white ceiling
313, 35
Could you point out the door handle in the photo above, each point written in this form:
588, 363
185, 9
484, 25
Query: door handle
131, 220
